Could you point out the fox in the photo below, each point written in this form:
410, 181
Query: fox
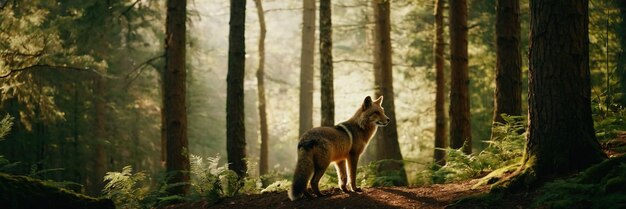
341, 144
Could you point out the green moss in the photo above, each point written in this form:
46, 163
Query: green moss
26, 192
600, 186
496, 175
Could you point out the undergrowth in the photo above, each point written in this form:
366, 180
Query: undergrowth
609, 124
210, 181
505, 149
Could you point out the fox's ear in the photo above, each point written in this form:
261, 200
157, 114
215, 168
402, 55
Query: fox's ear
367, 102
379, 100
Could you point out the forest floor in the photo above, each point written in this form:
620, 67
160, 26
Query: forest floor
427, 197
432, 196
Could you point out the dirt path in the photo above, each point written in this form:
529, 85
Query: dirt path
434, 196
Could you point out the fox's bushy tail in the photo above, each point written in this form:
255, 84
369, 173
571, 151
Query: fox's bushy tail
301, 175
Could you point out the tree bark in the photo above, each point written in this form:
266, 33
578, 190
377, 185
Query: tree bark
263, 161
326, 64
387, 146
440, 100
306, 66
508, 93
460, 132
235, 129
561, 138
177, 156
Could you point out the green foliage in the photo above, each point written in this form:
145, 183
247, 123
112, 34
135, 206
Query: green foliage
506, 148
607, 126
211, 181
125, 188
601, 186
370, 176
5, 126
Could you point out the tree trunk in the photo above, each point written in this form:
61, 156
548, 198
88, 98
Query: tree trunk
235, 129
326, 64
621, 63
440, 100
100, 164
508, 94
561, 138
460, 132
263, 161
177, 156
306, 66
387, 146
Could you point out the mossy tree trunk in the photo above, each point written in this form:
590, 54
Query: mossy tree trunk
387, 146
561, 138
235, 129
175, 109
508, 93
441, 136
460, 129
306, 66
326, 64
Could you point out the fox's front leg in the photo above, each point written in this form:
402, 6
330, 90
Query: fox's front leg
341, 174
353, 161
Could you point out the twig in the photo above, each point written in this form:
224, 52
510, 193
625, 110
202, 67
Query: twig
282, 9
139, 69
353, 61
129, 7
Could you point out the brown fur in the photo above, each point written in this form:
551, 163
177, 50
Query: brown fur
321, 146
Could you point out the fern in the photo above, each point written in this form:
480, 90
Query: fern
126, 188
505, 148
5, 126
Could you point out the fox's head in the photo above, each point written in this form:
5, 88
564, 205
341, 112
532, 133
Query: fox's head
372, 113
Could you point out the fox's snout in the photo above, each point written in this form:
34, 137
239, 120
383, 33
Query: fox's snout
384, 122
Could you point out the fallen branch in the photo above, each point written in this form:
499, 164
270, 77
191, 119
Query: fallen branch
46, 66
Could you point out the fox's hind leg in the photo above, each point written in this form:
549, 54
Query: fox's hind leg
319, 172
341, 174
321, 162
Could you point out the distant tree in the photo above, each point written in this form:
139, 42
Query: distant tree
460, 132
326, 64
387, 146
260, 74
441, 136
561, 138
508, 93
306, 66
100, 164
621, 62
235, 129
177, 156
